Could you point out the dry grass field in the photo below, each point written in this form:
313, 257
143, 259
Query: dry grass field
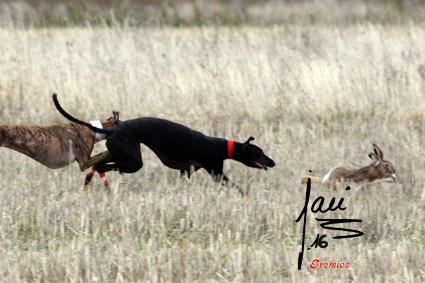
313, 96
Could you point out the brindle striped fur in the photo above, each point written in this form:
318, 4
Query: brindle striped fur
55, 146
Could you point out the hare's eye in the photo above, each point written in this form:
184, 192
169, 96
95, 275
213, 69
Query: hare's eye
386, 165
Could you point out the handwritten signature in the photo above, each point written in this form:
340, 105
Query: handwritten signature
325, 223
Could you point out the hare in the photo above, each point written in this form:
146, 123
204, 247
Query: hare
379, 171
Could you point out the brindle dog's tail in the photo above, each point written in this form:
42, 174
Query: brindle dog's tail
75, 120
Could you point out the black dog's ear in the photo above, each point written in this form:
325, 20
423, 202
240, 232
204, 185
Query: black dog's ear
249, 140
116, 118
246, 144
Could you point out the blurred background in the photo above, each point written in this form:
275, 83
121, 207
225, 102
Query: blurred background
206, 12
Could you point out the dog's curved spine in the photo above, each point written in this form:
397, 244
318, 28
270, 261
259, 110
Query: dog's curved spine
107, 131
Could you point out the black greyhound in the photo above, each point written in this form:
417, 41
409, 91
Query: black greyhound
177, 146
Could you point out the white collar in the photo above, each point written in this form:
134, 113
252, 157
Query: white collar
99, 136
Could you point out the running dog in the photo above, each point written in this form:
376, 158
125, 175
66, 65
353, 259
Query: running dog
59, 145
177, 146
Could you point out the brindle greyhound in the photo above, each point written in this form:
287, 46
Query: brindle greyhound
57, 146
177, 146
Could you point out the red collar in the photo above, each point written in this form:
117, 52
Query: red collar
229, 149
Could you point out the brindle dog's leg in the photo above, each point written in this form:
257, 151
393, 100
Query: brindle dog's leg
102, 177
103, 157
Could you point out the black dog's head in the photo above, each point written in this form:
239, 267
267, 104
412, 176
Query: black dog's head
253, 156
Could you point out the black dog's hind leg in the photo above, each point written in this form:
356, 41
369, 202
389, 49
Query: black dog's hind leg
121, 166
130, 156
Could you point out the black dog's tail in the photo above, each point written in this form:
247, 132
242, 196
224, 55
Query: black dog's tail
75, 120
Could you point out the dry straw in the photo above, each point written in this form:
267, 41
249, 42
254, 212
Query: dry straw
313, 97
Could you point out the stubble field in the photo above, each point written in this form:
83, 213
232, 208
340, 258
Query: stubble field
314, 97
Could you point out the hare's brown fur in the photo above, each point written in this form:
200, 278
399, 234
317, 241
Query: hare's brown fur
379, 170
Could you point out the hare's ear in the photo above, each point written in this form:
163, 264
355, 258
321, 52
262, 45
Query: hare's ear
378, 151
374, 158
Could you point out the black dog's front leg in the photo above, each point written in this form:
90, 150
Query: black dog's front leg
223, 180
188, 172
219, 177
